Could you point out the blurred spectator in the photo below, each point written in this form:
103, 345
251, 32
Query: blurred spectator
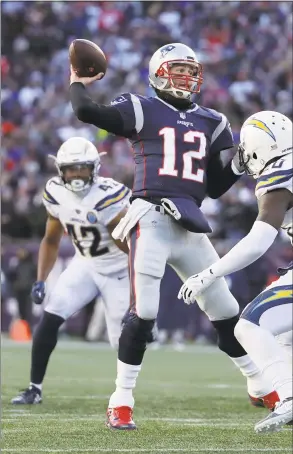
21, 273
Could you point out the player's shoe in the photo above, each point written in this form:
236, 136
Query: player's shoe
282, 414
28, 396
120, 418
268, 401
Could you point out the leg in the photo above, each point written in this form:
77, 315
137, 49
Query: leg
115, 294
147, 260
74, 289
220, 306
261, 324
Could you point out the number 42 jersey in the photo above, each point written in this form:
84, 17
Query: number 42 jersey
85, 219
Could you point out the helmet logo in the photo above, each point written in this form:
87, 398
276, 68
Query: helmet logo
261, 125
166, 49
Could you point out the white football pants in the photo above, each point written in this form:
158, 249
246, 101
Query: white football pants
80, 283
157, 239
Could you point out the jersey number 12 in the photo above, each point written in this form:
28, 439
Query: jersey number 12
169, 154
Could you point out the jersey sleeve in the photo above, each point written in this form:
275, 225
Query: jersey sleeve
222, 137
274, 179
115, 200
50, 198
130, 109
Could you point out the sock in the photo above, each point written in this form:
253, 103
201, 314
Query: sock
125, 383
39, 386
44, 342
268, 355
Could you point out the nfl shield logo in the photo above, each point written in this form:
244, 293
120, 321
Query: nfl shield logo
182, 115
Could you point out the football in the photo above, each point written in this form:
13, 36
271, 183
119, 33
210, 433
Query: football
87, 58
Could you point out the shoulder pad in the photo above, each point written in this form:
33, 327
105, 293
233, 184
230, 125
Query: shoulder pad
277, 176
52, 190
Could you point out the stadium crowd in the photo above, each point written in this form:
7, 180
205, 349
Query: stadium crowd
245, 49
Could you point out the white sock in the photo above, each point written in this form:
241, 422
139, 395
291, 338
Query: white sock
246, 366
37, 386
269, 356
125, 383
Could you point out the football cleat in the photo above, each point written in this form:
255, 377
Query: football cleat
282, 414
268, 401
120, 418
28, 396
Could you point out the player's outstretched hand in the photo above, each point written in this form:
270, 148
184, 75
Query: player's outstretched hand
38, 292
195, 285
84, 80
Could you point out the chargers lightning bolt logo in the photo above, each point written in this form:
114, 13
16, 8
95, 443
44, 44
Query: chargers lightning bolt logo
261, 125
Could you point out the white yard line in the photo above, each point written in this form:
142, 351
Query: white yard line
246, 450
54, 416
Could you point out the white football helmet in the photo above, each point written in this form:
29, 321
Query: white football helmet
264, 137
77, 153
161, 64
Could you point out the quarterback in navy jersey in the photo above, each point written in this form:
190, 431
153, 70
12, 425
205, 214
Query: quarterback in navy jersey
177, 146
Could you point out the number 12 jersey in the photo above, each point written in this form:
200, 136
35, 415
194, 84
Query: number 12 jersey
172, 147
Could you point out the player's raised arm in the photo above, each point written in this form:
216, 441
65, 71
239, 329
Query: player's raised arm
88, 111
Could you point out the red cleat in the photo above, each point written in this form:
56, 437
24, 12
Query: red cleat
120, 418
269, 401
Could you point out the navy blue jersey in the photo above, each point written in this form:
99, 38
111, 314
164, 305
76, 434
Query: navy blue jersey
172, 147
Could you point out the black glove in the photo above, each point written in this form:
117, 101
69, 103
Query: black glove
38, 292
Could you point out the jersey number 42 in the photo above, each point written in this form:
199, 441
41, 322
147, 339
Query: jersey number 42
91, 236
169, 153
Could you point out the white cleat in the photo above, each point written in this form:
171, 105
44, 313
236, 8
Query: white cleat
281, 415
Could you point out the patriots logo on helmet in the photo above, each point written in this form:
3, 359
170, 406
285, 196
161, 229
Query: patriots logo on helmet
166, 49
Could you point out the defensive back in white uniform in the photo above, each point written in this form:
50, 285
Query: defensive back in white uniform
88, 207
98, 265
267, 154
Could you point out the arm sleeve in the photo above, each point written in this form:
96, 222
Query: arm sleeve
222, 137
104, 117
247, 251
220, 178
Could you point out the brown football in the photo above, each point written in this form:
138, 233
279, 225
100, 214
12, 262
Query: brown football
87, 58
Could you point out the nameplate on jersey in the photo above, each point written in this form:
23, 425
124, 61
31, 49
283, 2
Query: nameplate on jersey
187, 214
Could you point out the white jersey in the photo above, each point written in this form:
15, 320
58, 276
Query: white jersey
86, 218
278, 175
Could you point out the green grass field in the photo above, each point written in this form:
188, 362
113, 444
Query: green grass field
192, 401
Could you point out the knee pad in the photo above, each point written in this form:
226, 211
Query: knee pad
136, 333
227, 342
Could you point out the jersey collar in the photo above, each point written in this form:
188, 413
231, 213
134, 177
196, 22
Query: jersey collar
193, 109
